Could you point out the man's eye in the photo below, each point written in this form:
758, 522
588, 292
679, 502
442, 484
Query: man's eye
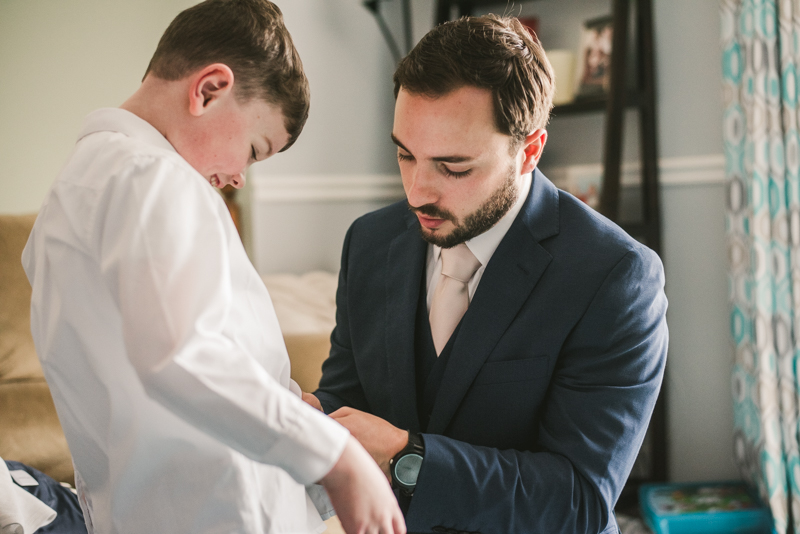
455, 174
404, 157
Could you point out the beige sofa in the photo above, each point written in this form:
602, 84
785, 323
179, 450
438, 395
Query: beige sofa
29, 429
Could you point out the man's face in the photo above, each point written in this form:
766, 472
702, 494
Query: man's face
458, 175
223, 142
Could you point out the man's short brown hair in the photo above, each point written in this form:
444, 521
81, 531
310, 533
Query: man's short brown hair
248, 36
489, 52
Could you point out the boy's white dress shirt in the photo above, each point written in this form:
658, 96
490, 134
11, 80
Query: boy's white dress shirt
162, 350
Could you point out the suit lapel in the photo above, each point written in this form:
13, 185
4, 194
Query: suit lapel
505, 286
404, 268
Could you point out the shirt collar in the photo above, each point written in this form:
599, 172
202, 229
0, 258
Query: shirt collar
124, 122
484, 245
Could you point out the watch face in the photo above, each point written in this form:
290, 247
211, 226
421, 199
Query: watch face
406, 470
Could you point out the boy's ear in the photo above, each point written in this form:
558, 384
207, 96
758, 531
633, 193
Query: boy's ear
532, 149
208, 86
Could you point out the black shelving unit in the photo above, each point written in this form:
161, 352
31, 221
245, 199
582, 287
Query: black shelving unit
621, 96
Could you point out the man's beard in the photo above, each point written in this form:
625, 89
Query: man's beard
476, 222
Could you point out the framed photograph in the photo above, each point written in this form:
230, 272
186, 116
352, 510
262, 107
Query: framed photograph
594, 57
532, 25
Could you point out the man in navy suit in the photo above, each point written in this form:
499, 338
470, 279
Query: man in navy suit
526, 410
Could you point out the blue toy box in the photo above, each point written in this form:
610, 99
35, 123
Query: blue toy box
703, 508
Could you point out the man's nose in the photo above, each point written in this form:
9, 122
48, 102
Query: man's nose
420, 188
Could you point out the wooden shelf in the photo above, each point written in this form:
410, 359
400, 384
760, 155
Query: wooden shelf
597, 104
465, 7
641, 231
468, 4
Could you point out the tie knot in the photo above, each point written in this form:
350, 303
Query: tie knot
459, 263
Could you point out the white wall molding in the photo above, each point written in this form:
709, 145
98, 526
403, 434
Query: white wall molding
680, 171
326, 188
692, 170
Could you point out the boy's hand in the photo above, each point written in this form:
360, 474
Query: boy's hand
312, 401
360, 494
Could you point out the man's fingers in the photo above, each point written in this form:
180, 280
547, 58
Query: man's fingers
342, 412
312, 401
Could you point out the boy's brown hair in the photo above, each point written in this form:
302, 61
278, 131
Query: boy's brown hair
489, 52
248, 36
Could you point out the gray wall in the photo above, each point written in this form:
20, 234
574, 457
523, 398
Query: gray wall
63, 59
701, 355
695, 252
350, 73
689, 77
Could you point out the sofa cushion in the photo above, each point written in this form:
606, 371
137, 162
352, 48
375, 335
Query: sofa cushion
306, 353
29, 429
17, 355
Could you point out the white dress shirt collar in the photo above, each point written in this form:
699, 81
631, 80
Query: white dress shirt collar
126, 123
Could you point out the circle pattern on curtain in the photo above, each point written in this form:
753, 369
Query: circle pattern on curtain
760, 55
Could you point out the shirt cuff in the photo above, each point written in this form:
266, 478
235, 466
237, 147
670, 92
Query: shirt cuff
295, 388
313, 446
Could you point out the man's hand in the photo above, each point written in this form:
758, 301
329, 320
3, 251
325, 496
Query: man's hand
361, 497
381, 439
312, 401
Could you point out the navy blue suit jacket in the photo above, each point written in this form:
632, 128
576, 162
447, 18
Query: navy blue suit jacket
551, 381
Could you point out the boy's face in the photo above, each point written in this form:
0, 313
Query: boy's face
225, 140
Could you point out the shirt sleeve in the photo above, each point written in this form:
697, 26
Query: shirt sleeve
165, 256
295, 388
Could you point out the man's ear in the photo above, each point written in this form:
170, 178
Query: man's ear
208, 86
532, 149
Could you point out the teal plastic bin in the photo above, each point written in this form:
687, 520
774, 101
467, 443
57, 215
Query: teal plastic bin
704, 508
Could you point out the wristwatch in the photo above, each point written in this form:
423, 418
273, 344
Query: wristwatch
405, 466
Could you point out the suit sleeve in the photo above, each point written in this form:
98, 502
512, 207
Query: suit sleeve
340, 385
600, 399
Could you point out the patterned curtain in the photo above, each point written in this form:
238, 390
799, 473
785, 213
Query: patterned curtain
760, 57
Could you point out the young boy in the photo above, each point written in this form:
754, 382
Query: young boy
156, 335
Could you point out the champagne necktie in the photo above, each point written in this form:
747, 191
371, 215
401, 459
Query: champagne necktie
451, 296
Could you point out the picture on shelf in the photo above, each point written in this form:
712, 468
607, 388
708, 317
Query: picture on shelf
532, 25
563, 63
594, 57
584, 182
